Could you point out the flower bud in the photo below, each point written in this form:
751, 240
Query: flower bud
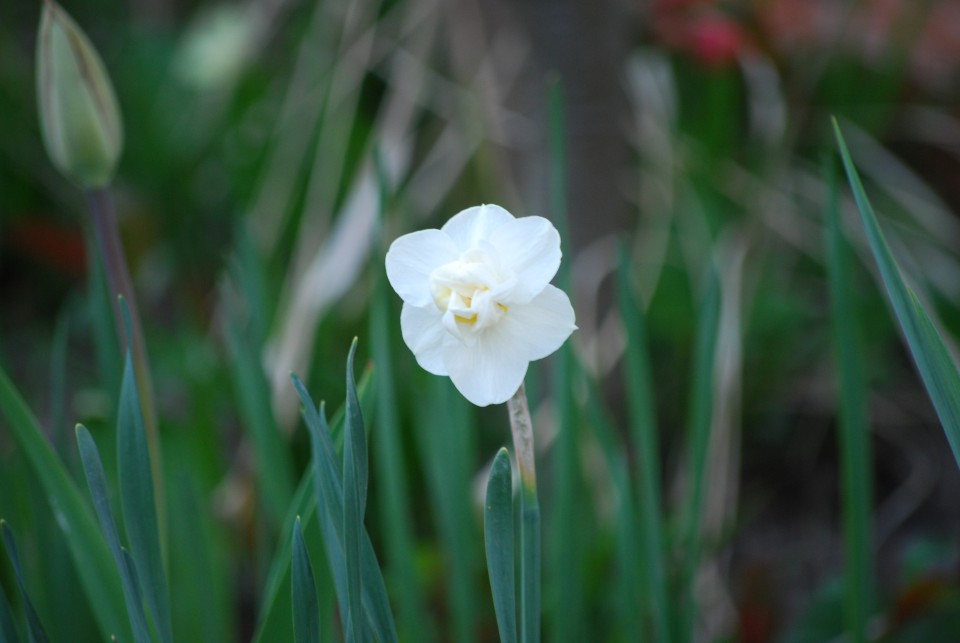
79, 116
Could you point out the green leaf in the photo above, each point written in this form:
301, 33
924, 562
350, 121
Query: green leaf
530, 574
446, 442
329, 493
35, 632
354, 499
138, 500
8, 630
304, 504
87, 545
97, 483
306, 610
644, 427
701, 405
854, 433
498, 539
391, 477
937, 368
272, 456
274, 615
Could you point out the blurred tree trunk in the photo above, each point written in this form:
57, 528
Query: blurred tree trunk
585, 43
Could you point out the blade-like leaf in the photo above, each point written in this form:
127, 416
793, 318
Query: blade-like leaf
934, 362
35, 632
391, 476
97, 483
447, 457
354, 492
274, 617
138, 500
355, 437
329, 491
306, 611
8, 630
274, 465
644, 425
701, 405
854, 433
87, 545
498, 539
629, 572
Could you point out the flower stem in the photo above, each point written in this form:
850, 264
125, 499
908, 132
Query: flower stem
522, 428
107, 234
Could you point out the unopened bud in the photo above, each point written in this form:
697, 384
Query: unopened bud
79, 116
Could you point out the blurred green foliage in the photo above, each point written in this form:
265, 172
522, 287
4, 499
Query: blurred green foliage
274, 149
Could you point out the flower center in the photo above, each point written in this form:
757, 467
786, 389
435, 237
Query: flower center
470, 292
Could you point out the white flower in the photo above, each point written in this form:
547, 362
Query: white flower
477, 301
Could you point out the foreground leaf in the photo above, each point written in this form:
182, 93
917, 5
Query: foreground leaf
138, 500
97, 483
498, 532
34, 627
934, 362
329, 489
87, 545
306, 610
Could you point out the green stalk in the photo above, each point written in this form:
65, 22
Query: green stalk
854, 432
107, 234
643, 424
701, 405
522, 428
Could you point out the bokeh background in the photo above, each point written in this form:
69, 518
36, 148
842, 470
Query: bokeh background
275, 147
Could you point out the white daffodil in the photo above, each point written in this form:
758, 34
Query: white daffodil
477, 301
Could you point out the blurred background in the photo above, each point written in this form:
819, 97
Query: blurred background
275, 147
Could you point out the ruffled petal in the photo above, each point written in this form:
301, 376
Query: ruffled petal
541, 326
423, 332
530, 247
489, 371
468, 227
410, 260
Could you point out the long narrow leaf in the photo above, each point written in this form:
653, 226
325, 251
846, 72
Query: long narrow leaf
138, 500
644, 425
328, 492
306, 610
87, 545
97, 484
35, 631
630, 578
445, 442
391, 477
354, 499
498, 540
272, 457
937, 368
853, 430
274, 616
327, 480
701, 405
8, 630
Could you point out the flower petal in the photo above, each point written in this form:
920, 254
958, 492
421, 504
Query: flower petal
424, 334
530, 246
540, 327
410, 260
488, 371
470, 226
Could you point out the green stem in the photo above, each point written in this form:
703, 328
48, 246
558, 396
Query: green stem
107, 234
522, 429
